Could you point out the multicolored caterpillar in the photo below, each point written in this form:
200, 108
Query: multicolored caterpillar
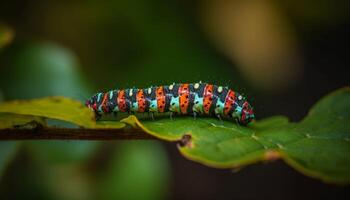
187, 99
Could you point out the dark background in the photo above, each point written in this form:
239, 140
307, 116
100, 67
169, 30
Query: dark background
283, 55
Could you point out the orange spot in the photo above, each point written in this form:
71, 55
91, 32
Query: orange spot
140, 100
121, 101
184, 93
207, 98
229, 101
160, 99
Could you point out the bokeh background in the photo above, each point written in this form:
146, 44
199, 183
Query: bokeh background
284, 55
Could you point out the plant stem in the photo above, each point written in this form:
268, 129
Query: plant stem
73, 134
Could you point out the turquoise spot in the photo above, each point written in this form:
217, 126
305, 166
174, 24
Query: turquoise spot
174, 104
238, 109
116, 109
198, 104
99, 97
219, 107
153, 106
100, 109
134, 106
110, 95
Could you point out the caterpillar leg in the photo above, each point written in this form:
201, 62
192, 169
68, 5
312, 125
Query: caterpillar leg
152, 115
219, 117
97, 116
131, 112
171, 115
115, 114
236, 120
235, 117
195, 115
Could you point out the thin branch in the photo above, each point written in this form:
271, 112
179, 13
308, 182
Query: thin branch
73, 134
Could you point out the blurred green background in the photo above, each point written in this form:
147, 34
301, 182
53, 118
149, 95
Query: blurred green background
282, 55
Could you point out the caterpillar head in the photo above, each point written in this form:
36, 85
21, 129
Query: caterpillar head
242, 111
92, 103
247, 114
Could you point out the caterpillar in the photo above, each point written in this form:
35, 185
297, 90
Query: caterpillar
183, 98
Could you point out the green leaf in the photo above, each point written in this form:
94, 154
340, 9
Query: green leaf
20, 121
59, 108
318, 146
324, 148
52, 107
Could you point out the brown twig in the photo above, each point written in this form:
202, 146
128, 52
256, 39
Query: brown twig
73, 134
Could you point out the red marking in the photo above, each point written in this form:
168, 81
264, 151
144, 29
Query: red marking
184, 94
229, 101
207, 98
94, 106
246, 110
104, 103
140, 98
121, 101
160, 99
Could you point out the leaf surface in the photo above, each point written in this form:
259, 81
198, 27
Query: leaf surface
318, 146
20, 121
59, 108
